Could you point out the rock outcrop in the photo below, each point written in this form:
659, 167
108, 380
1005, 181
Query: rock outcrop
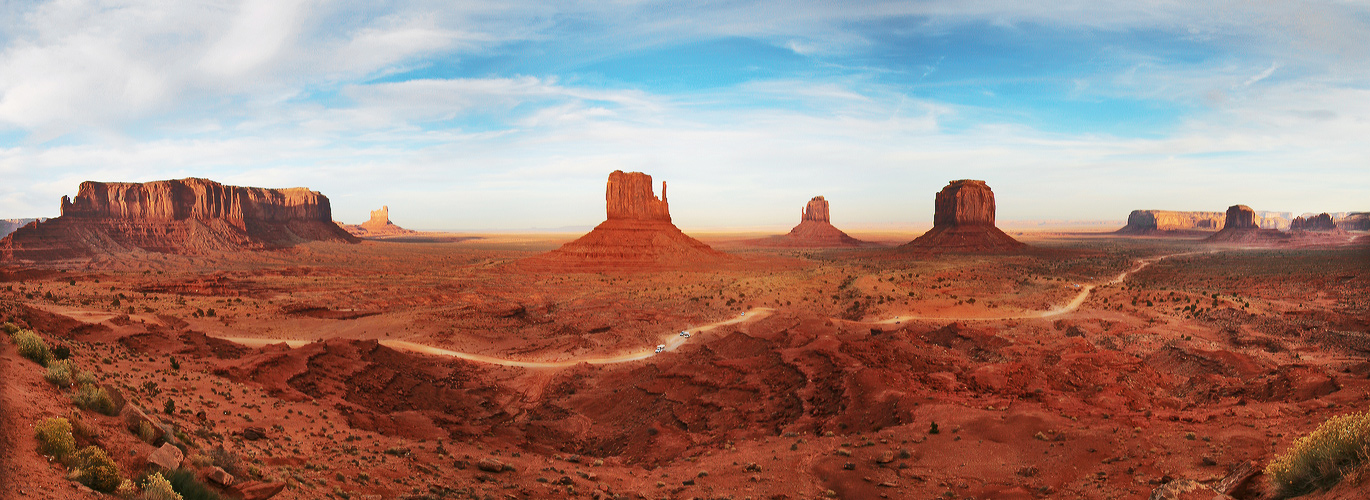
379, 226
1240, 226
814, 230
1142, 222
1356, 221
175, 216
637, 234
1320, 222
964, 222
8, 226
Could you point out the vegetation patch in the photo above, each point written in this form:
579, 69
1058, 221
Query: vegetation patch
1338, 448
54, 437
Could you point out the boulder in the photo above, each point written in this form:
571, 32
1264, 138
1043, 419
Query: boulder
167, 457
963, 221
1186, 489
254, 433
219, 476
134, 416
490, 465
258, 490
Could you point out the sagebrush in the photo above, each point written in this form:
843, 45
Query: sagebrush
1318, 461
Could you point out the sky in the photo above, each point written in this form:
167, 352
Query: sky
510, 114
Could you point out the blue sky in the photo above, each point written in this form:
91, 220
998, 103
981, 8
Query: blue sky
510, 115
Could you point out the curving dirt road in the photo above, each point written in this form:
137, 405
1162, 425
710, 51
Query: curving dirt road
675, 341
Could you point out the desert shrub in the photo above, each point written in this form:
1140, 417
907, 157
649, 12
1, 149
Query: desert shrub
54, 437
226, 460
90, 397
189, 487
201, 460
126, 490
84, 377
93, 467
1318, 461
158, 488
9, 328
32, 346
59, 373
80, 427
147, 432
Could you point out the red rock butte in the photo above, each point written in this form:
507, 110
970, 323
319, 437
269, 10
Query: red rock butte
1241, 227
1167, 221
378, 225
175, 216
1320, 222
814, 230
963, 221
637, 234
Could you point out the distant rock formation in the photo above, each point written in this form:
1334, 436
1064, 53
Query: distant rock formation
175, 216
379, 226
814, 231
8, 226
638, 234
1241, 227
1320, 222
964, 222
1143, 222
1355, 221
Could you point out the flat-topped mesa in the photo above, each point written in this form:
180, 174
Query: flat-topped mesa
1240, 217
963, 221
636, 235
1166, 221
175, 216
816, 210
628, 196
964, 203
200, 199
1320, 222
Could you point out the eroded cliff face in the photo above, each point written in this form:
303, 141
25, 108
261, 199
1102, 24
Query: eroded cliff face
628, 196
380, 219
1240, 217
175, 216
816, 210
193, 198
1145, 221
1320, 222
964, 203
963, 221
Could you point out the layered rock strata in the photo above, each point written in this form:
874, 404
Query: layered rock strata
637, 234
1320, 222
963, 221
175, 216
1240, 226
1168, 221
378, 226
815, 230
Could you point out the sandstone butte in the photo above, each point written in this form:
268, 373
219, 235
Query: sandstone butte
963, 221
815, 230
379, 225
175, 216
1356, 221
637, 234
1167, 221
1320, 222
1241, 226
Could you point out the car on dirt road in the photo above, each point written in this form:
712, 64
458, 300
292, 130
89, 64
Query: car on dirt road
660, 347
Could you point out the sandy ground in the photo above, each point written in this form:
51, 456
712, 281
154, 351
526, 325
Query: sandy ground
1089, 367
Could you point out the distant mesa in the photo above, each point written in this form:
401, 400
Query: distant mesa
1320, 222
964, 222
1241, 226
1143, 222
638, 234
379, 226
1355, 221
814, 231
175, 216
8, 226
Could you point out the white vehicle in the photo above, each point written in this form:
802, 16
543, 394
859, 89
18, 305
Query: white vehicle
743, 314
685, 333
660, 347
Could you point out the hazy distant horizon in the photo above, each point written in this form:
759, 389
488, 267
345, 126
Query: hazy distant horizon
511, 115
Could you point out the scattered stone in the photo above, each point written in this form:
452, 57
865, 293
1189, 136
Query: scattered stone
490, 465
254, 433
258, 490
219, 476
886, 457
167, 457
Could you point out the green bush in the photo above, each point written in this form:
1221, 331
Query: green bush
90, 397
54, 437
93, 467
189, 487
158, 488
1318, 461
9, 328
59, 373
85, 377
32, 346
